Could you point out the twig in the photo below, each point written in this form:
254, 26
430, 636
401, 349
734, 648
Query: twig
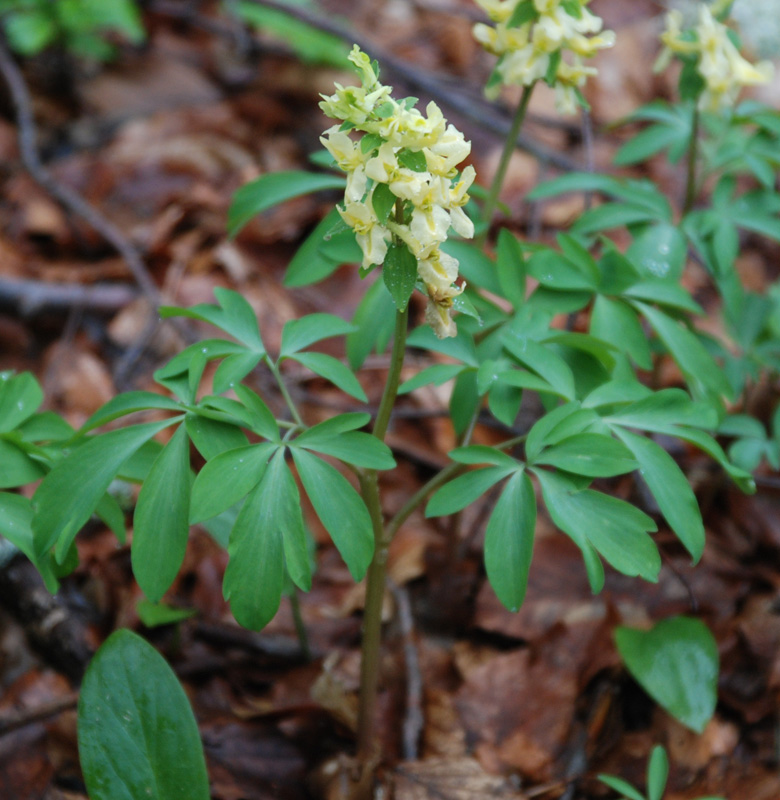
71, 199
477, 110
413, 720
32, 297
42, 712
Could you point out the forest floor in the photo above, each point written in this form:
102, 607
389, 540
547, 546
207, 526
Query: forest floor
525, 705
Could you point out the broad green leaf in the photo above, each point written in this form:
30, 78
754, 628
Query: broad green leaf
555, 271
298, 334
616, 392
226, 478
589, 454
234, 369
455, 495
436, 375
616, 529
525, 380
20, 397
476, 268
660, 411
698, 366
45, 427
137, 734
68, 495
660, 251
460, 347
332, 369
665, 293
614, 321
537, 436
113, 515
268, 535
509, 540
340, 509
16, 526
260, 417
649, 142
399, 272
16, 467
270, 190
511, 268
212, 437
358, 449
611, 215
334, 426
676, 663
29, 30
504, 402
374, 320
128, 403
670, 488
323, 252
544, 362
464, 400
482, 454
160, 522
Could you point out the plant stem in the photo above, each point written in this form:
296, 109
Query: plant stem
375, 582
498, 179
285, 394
693, 148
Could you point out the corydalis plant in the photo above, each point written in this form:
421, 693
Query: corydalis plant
530, 38
403, 190
712, 63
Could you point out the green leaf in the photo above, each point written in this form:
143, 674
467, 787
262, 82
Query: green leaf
676, 663
482, 454
436, 375
702, 373
557, 272
616, 529
155, 615
525, 11
619, 785
504, 402
615, 322
16, 526
460, 347
16, 467
358, 449
160, 523
322, 252
455, 495
665, 293
612, 215
374, 320
270, 190
657, 773
128, 403
332, 369
659, 251
212, 437
226, 478
544, 362
137, 733
589, 454
261, 419
298, 334
661, 411
20, 397
29, 31
268, 534
234, 369
511, 268
670, 488
69, 494
509, 541
400, 274
340, 509
45, 427
649, 142
541, 429
476, 268
382, 199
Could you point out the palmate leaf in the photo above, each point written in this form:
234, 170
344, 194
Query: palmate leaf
455, 495
340, 509
268, 536
69, 494
591, 454
160, 523
509, 541
137, 733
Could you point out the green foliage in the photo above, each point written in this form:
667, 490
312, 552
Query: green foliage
676, 662
137, 733
80, 26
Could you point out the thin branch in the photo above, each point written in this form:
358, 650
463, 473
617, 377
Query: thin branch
32, 297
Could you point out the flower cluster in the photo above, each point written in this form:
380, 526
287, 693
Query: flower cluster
718, 61
530, 36
402, 181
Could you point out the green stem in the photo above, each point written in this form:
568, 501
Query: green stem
285, 394
498, 179
693, 148
375, 583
